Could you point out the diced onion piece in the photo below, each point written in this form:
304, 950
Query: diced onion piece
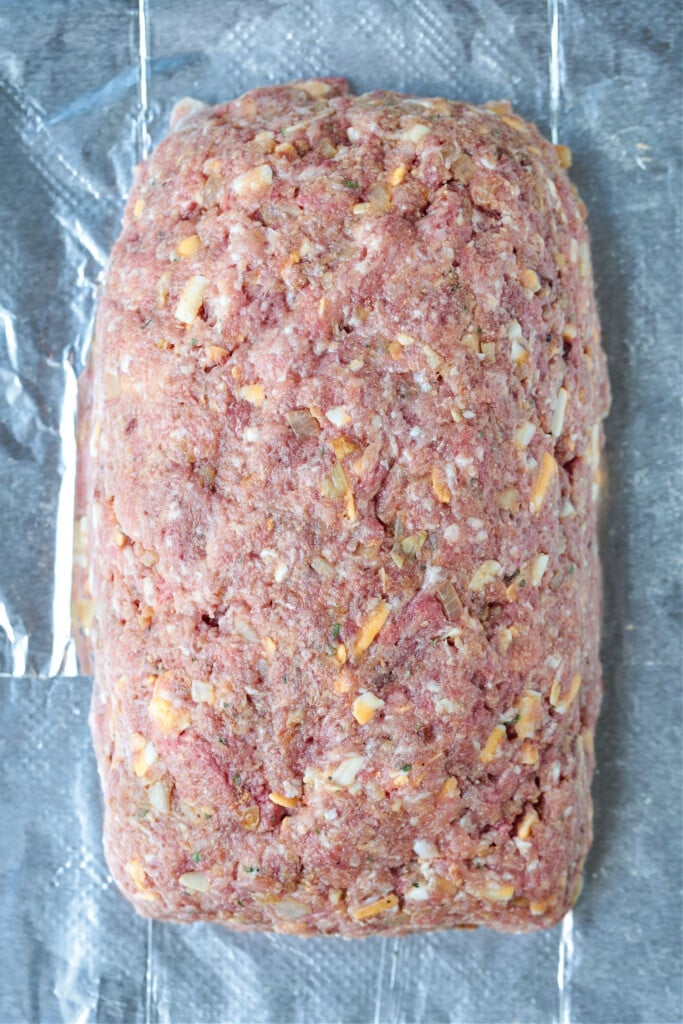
434, 359
547, 470
254, 180
529, 279
530, 711
562, 704
339, 416
412, 545
322, 566
490, 748
492, 892
425, 850
449, 600
345, 774
136, 871
191, 299
417, 893
440, 487
343, 446
144, 760
539, 907
160, 796
416, 133
528, 753
335, 483
486, 573
523, 434
302, 423
195, 881
560, 410
217, 355
315, 88
527, 823
405, 339
537, 568
137, 741
508, 498
246, 630
168, 717
202, 693
290, 909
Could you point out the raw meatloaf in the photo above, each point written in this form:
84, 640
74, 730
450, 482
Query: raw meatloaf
339, 472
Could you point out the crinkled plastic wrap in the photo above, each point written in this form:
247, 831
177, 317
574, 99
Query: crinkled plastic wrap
86, 87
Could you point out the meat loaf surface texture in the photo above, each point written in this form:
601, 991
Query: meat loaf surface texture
339, 471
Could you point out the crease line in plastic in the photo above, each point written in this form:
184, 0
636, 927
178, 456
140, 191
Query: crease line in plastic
62, 656
10, 338
18, 642
143, 57
148, 972
378, 984
554, 67
565, 951
564, 968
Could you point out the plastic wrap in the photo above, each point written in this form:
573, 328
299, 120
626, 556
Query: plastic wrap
86, 89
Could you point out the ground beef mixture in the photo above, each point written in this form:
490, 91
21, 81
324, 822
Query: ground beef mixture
336, 546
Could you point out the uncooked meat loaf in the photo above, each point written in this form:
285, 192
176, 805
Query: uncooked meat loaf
336, 545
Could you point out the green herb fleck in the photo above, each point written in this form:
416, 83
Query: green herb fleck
513, 721
571, 568
194, 342
196, 857
335, 631
221, 740
348, 183
207, 816
406, 767
236, 779
240, 903
522, 583
251, 869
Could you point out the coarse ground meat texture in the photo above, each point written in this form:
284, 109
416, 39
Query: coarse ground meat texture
337, 539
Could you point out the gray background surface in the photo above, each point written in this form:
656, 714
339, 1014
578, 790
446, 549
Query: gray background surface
84, 87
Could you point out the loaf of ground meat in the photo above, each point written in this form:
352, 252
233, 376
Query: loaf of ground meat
338, 480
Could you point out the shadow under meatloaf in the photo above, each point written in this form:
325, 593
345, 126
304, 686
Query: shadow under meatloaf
336, 519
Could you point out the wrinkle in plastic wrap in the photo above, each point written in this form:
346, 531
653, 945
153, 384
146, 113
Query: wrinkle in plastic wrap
86, 89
